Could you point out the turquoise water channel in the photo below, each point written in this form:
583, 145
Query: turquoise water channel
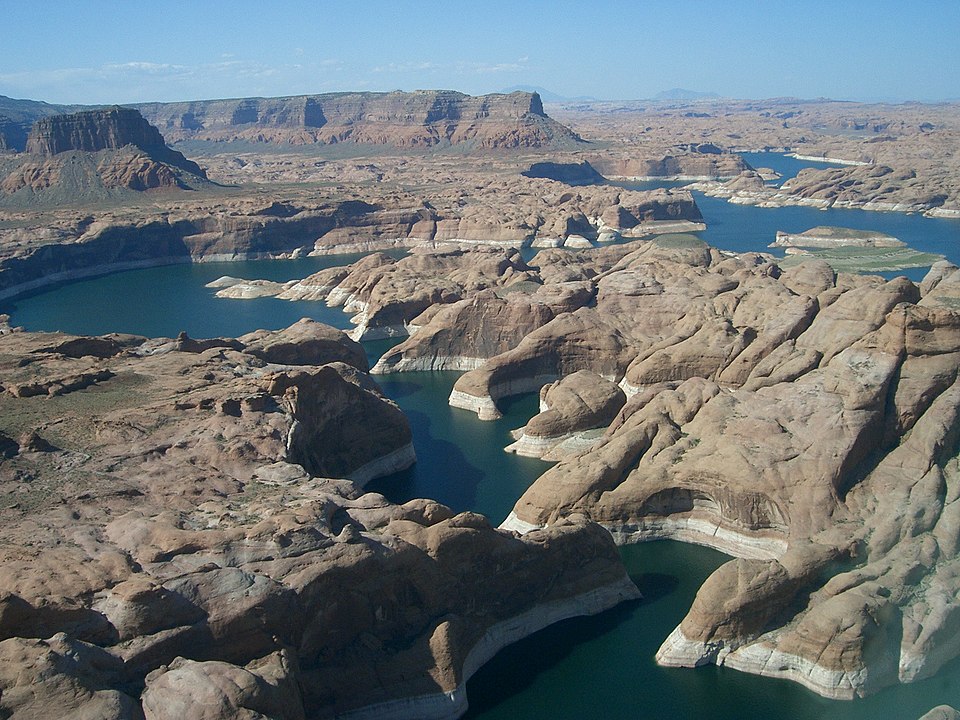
581, 668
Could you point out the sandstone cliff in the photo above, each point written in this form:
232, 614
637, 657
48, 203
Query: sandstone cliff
18, 116
93, 155
175, 542
108, 129
423, 118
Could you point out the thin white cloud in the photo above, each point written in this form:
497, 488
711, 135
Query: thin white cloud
406, 67
460, 68
480, 68
142, 81
147, 67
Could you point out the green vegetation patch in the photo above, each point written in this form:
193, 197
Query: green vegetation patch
864, 259
524, 286
844, 233
679, 241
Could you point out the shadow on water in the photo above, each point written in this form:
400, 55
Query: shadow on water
601, 664
457, 487
397, 389
654, 586
518, 667
460, 458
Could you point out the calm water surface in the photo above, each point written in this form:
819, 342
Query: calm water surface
581, 668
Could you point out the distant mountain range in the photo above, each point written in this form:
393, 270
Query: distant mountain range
684, 94
547, 96
551, 97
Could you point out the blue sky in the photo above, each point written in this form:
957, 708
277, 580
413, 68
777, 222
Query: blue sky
93, 51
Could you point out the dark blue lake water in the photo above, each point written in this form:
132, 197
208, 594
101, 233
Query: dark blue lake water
788, 167
581, 668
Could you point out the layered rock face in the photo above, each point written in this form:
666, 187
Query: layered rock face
93, 130
109, 129
175, 541
501, 214
18, 116
423, 118
87, 155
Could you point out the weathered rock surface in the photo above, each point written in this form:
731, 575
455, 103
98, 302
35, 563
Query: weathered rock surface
501, 214
306, 342
388, 295
460, 336
175, 542
605, 336
867, 187
941, 712
569, 409
941, 286
802, 421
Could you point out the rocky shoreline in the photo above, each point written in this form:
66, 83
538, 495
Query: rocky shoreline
876, 188
452, 704
184, 524
783, 415
196, 546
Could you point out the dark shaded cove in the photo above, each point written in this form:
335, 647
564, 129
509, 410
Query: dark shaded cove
460, 459
603, 666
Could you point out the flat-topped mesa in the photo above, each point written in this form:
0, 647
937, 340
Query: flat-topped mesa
824, 236
107, 129
407, 119
91, 156
93, 130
